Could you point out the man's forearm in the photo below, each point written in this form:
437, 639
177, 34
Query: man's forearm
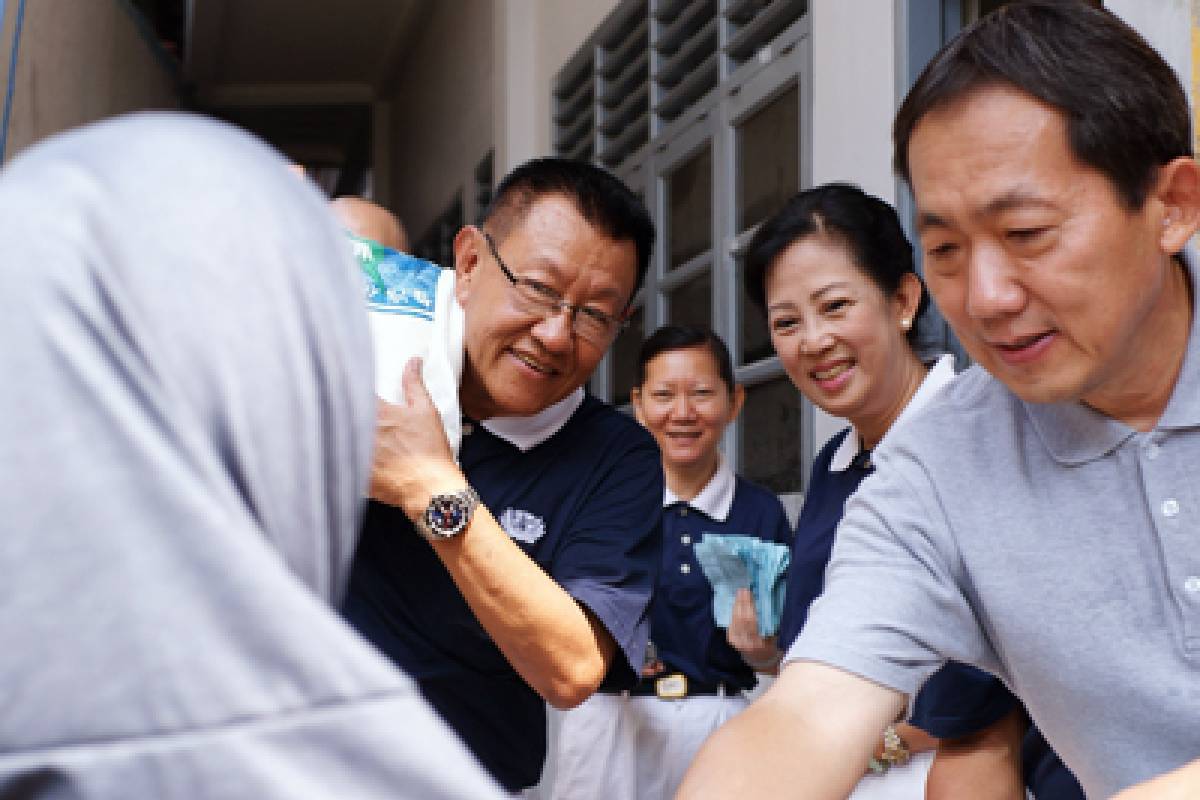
551, 641
810, 736
1181, 784
553, 644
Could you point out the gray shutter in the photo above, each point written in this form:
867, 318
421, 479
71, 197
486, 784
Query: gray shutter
574, 128
686, 48
754, 23
623, 86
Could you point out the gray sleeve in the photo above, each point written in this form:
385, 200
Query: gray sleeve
895, 605
387, 748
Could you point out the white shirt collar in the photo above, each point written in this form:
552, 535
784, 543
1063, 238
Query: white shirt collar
716, 498
526, 433
941, 373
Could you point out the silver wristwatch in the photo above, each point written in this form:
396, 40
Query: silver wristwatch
447, 515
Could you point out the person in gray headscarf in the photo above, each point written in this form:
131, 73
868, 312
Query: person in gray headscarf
186, 422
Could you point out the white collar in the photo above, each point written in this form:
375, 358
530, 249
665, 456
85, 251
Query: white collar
526, 433
716, 498
941, 373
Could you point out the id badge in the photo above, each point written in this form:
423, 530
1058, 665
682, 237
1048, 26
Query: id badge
671, 687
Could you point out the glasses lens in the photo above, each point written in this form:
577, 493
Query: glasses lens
594, 326
534, 296
537, 298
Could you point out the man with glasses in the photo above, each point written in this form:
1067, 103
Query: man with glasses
523, 572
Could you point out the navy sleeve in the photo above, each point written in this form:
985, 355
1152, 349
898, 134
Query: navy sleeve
959, 700
610, 558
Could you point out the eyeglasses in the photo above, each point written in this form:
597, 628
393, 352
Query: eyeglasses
535, 297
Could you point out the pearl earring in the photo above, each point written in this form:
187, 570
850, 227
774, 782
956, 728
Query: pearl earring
906, 323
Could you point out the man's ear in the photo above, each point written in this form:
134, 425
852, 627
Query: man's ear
467, 258
1177, 191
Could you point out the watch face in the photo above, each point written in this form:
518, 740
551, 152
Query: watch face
446, 515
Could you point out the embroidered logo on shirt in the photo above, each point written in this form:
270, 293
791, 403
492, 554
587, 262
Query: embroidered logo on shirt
522, 525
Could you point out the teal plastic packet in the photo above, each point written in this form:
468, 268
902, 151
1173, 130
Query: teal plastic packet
732, 562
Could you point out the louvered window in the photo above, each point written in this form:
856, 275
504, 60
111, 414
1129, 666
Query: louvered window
623, 81
701, 107
574, 113
649, 62
685, 54
753, 24
484, 177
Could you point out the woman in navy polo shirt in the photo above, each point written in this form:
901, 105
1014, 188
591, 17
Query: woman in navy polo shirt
834, 272
638, 745
686, 397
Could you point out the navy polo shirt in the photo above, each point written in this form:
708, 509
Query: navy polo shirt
585, 505
819, 517
683, 630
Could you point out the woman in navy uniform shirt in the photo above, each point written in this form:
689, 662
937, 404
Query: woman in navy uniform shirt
640, 744
835, 274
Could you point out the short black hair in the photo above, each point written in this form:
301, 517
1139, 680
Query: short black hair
866, 225
601, 198
682, 337
1125, 111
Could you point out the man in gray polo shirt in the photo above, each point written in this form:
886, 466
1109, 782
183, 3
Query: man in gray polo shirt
1040, 519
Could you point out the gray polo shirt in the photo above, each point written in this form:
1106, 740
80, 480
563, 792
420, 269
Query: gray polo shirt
1047, 543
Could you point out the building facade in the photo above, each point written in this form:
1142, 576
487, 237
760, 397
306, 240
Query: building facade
714, 111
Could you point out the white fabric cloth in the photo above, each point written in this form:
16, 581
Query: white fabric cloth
618, 747
187, 428
668, 734
398, 337
591, 753
940, 374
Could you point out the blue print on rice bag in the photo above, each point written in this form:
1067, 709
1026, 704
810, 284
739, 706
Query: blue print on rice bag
395, 282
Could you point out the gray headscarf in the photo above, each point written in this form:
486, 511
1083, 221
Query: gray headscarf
186, 419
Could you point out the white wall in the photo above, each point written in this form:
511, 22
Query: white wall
479, 75
854, 93
534, 39
1173, 27
440, 110
854, 100
78, 62
1166, 24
